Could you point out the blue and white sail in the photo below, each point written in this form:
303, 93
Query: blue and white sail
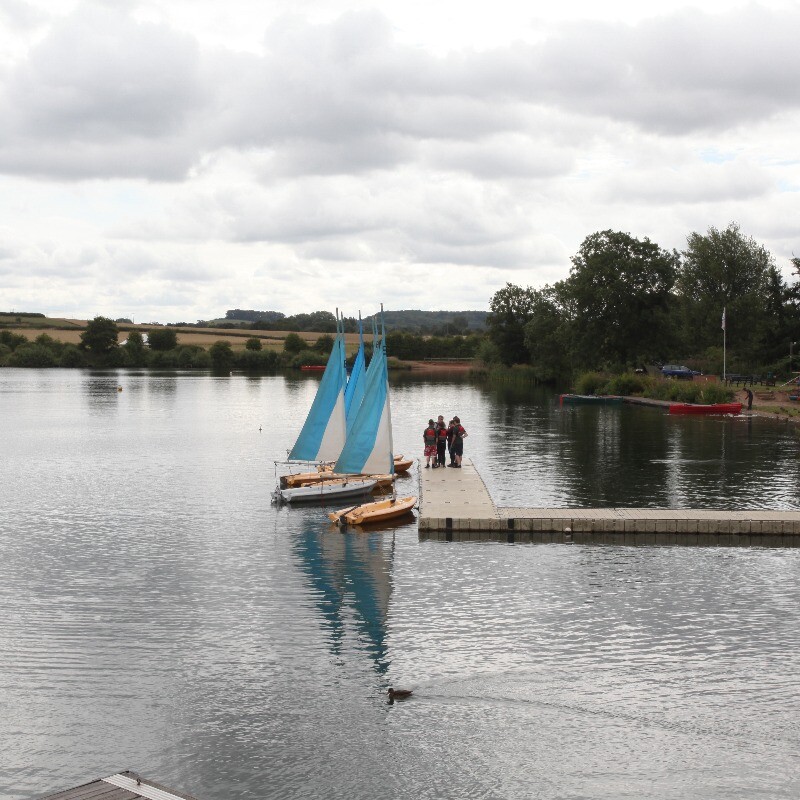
369, 448
325, 430
354, 392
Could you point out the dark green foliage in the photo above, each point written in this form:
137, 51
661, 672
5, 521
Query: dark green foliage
32, 355
12, 340
488, 353
161, 339
597, 383
100, 336
591, 383
253, 343
726, 269
50, 343
254, 316
324, 344
618, 294
257, 360
627, 384
71, 356
135, 349
293, 343
412, 347
512, 308
549, 334
303, 358
222, 358
440, 323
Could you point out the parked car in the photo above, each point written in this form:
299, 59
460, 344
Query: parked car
676, 371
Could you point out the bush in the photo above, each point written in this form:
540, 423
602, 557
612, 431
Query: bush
162, 339
253, 343
324, 344
626, 384
32, 355
293, 343
257, 360
163, 359
12, 340
72, 357
222, 357
488, 352
716, 393
591, 383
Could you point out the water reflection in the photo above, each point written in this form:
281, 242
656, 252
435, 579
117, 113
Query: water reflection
350, 576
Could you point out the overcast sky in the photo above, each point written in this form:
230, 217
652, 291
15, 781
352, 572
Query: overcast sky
167, 160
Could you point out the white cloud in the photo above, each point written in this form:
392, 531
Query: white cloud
183, 154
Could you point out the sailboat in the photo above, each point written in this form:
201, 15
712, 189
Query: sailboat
369, 447
322, 438
324, 435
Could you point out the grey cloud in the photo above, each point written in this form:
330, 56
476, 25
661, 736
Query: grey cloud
103, 95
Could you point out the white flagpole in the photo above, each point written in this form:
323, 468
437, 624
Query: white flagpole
724, 345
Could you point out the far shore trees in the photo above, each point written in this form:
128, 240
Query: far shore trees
162, 339
628, 302
619, 293
100, 336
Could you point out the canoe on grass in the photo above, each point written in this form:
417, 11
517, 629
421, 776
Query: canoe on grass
711, 408
371, 513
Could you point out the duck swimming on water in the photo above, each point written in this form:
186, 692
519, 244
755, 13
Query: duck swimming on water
399, 694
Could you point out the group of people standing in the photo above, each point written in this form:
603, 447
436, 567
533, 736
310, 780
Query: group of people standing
440, 438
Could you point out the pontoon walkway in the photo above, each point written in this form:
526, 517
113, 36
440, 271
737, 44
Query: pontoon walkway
455, 505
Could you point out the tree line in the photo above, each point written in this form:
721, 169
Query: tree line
99, 347
628, 302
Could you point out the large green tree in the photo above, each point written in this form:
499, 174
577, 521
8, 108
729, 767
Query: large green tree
619, 292
162, 339
731, 271
548, 334
100, 336
511, 309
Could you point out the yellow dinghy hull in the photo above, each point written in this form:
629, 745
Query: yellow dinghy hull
371, 513
310, 478
402, 464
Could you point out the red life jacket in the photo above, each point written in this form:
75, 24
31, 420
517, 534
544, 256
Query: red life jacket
430, 436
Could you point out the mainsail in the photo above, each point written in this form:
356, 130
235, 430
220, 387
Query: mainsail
354, 392
368, 449
325, 429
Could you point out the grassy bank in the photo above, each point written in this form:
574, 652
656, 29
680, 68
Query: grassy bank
630, 384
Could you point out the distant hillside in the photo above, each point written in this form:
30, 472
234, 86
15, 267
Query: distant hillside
416, 321
411, 321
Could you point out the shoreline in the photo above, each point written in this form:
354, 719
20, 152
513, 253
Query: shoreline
766, 411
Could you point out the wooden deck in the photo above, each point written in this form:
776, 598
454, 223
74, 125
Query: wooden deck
455, 506
122, 786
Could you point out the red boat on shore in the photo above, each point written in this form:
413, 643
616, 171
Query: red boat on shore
713, 408
312, 368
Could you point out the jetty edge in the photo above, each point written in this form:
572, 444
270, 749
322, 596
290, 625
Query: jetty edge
455, 505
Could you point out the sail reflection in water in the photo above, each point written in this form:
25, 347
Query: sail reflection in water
350, 575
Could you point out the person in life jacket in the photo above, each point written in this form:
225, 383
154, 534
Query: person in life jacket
429, 437
441, 441
457, 436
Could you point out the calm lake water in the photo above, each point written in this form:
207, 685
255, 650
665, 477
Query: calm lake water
159, 614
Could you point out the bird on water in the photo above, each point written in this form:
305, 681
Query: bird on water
398, 694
